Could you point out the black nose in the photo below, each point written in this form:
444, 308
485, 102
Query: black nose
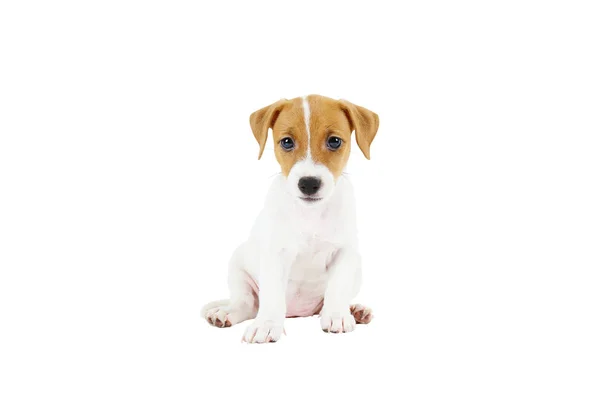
309, 185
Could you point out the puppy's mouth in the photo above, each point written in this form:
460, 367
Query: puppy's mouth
309, 199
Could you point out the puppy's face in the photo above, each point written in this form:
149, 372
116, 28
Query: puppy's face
312, 141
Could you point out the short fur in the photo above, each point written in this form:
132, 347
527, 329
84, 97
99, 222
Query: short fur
301, 258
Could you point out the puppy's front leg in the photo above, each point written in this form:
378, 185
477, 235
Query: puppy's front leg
343, 282
272, 281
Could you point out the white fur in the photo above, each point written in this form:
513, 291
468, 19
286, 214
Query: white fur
295, 252
306, 109
307, 167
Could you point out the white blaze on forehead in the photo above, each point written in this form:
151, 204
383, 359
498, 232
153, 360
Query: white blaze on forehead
307, 122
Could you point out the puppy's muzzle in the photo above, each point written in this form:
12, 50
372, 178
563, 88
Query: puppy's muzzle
309, 185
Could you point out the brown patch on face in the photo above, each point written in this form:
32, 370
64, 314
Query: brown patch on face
290, 123
328, 118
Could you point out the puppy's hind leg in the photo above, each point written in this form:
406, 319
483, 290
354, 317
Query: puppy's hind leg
243, 301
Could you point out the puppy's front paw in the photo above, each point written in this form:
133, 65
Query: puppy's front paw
261, 331
337, 322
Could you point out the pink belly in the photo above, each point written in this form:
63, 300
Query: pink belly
303, 305
300, 301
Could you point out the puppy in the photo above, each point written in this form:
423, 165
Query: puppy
301, 258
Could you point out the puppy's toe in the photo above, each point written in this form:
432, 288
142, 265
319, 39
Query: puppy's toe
218, 317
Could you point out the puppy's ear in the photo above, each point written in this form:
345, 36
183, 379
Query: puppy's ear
262, 120
365, 124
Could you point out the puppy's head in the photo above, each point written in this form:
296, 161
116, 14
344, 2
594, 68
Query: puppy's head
312, 141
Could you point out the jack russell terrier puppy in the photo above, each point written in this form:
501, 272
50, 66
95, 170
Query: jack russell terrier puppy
301, 258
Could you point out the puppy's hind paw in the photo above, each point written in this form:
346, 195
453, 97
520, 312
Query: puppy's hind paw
218, 317
362, 314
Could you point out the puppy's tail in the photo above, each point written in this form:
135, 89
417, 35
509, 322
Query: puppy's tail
212, 305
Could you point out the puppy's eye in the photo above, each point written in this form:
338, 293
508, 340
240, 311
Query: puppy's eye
334, 143
287, 143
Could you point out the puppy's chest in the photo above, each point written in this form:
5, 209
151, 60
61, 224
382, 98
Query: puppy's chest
308, 277
317, 240
318, 234
317, 245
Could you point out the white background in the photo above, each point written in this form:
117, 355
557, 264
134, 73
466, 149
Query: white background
128, 174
